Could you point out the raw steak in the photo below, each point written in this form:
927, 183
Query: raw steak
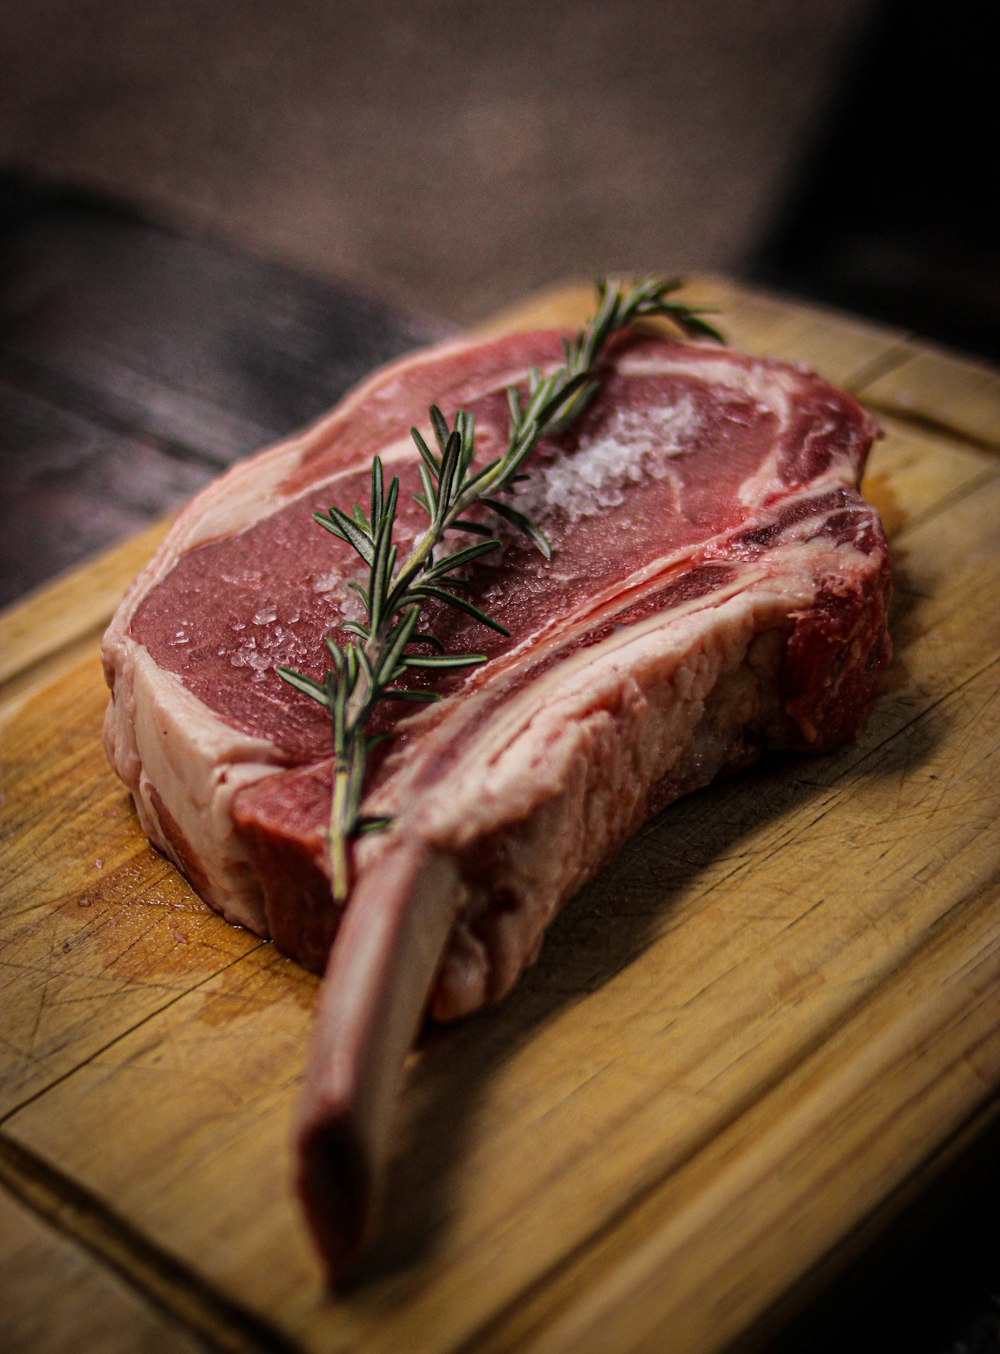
718, 587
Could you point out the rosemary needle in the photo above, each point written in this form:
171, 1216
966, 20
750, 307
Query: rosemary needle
366, 668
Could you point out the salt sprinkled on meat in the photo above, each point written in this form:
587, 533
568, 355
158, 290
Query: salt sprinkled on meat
631, 445
273, 644
328, 582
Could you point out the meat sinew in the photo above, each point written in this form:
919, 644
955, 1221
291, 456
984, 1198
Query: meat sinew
717, 588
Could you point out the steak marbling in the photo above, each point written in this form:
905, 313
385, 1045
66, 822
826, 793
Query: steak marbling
717, 587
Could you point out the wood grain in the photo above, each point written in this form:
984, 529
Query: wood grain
136, 363
743, 1045
58, 1298
61, 623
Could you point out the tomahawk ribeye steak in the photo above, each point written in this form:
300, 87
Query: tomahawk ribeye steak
717, 587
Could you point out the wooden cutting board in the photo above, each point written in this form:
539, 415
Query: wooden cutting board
745, 1047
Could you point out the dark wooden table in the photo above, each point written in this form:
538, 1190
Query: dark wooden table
135, 364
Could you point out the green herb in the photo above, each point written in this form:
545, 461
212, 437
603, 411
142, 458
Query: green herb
366, 669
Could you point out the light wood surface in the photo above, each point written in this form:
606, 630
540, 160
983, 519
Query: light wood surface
58, 1298
772, 1021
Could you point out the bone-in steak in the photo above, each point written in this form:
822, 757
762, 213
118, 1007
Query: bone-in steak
717, 588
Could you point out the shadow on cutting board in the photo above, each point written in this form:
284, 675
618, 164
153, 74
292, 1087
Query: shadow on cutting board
668, 869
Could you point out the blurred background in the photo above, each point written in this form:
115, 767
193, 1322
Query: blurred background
215, 216
451, 155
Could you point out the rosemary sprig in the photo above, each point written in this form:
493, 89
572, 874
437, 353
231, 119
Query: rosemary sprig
366, 669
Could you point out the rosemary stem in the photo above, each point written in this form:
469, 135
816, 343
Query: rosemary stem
340, 877
358, 708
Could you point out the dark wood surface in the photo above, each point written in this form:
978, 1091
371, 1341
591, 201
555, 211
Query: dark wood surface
134, 365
